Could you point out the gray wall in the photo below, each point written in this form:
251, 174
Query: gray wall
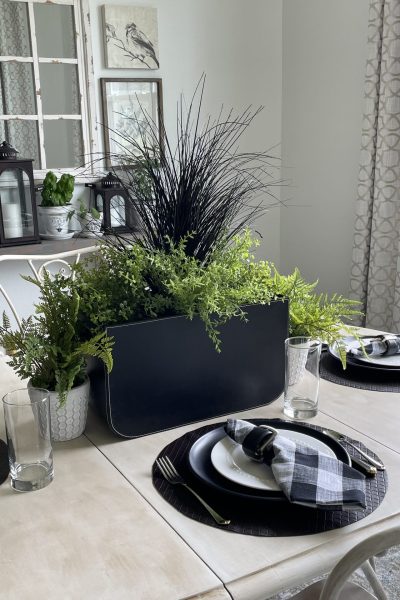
324, 54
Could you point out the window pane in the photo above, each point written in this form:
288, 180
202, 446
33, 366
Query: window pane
16, 204
63, 144
60, 89
14, 29
17, 96
55, 30
23, 135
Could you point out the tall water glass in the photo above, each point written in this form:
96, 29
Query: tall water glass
27, 418
302, 356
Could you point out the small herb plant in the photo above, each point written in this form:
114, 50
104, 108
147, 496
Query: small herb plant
57, 192
46, 348
83, 211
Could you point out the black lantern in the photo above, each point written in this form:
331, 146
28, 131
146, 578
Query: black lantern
18, 218
112, 200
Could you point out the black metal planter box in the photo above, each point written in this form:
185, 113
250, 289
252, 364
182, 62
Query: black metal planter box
167, 372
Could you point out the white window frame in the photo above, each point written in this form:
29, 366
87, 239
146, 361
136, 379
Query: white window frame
84, 62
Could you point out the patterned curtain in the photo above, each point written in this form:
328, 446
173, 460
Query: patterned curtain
375, 275
16, 80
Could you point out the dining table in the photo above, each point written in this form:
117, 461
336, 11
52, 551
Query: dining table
101, 530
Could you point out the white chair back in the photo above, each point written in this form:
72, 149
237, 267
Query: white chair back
356, 558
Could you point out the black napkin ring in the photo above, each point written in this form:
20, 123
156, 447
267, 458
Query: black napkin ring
258, 441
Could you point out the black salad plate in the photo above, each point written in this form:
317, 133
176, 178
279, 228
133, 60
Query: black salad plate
199, 459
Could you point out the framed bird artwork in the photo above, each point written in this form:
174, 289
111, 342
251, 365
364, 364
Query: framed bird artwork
132, 117
131, 37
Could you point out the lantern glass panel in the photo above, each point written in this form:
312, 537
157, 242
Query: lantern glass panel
99, 202
16, 204
117, 211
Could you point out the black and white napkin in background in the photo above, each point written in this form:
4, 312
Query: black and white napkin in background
306, 476
380, 345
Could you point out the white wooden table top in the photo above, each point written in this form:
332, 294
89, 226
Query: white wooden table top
101, 530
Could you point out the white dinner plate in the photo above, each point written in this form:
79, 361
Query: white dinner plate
381, 361
230, 461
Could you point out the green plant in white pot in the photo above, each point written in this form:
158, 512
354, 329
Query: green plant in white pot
46, 350
90, 220
54, 211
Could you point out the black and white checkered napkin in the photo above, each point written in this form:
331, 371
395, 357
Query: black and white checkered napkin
305, 475
380, 345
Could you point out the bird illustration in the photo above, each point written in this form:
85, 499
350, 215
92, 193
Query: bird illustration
110, 32
143, 47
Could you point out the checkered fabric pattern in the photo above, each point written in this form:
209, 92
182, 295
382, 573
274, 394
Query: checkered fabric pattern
307, 476
381, 345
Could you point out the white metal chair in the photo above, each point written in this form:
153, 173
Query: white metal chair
336, 586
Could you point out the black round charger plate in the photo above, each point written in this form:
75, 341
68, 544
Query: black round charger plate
375, 380
256, 517
4, 467
199, 459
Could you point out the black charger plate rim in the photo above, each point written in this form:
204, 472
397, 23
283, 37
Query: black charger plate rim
199, 460
354, 362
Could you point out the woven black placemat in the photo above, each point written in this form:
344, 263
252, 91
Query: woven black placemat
260, 518
4, 469
358, 377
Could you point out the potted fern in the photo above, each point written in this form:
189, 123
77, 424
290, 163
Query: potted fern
90, 220
47, 350
54, 212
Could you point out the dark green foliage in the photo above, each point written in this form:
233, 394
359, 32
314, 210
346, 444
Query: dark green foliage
46, 348
57, 193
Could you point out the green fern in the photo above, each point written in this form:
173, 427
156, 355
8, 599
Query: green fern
133, 283
47, 347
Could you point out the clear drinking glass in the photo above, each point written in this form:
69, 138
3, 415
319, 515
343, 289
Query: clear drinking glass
27, 418
302, 356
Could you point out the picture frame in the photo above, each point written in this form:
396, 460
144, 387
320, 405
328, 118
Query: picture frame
126, 102
130, 37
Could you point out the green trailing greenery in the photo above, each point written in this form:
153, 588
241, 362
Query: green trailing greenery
316, 315
57, 193
83, 211
47, 348
135, 283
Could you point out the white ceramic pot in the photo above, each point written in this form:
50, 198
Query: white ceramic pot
54, 220
69, 420
90, 227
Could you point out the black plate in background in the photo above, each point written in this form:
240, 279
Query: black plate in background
199, 459
354, 362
